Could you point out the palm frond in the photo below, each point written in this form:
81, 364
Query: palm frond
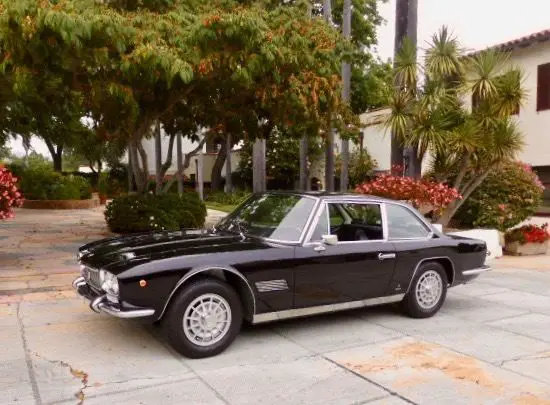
485, 67
399, 120
406, 67
443, 57
504, 143
510, 94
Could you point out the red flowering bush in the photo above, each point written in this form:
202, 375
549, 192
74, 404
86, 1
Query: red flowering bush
419, 193
9, 195
528, 234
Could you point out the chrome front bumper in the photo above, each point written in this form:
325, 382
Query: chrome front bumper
100, 303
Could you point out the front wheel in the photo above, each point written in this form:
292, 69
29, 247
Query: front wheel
428, 291
204, 318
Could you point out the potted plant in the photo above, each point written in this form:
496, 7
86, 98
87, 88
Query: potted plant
527, 240
102, 187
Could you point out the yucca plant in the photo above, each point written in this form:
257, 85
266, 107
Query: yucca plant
430, 115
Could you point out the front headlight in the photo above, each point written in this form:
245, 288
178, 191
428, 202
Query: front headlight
109, 282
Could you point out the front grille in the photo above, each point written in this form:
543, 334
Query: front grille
91, 276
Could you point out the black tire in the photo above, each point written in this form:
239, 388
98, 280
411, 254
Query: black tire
412, 305
173, 320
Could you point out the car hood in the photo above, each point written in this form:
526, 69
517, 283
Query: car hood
120, 253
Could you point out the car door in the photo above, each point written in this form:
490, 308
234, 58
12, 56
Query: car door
359, 266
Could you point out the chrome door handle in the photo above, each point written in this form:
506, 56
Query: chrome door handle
319, 248
384, 256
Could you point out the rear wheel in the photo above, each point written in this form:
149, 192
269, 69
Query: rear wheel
428, 291
204, 319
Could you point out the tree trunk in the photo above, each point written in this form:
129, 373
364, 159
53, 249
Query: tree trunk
303, 163
346, 90
406, 21
329, 160
158, 159
216, 175
58, 162
466, 192
179, 158
200, 179
228, 180
56, 152
130, 171
258, 166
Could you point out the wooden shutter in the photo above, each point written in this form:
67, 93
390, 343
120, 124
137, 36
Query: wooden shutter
543, 87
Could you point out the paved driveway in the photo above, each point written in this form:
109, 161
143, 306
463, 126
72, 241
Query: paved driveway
490, 344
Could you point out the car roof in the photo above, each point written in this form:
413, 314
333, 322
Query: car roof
325, 195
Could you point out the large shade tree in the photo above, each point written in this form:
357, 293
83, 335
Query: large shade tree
133, 64
464, 143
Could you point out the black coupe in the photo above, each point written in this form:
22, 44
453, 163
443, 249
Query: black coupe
278, 255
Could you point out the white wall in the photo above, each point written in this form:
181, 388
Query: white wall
375, 139
534, 125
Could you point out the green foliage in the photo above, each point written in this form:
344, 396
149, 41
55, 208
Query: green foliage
361, 167
42, 183
148, 212
221, 197
282, 159
506, 197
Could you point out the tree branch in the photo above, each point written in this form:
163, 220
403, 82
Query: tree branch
462, 171
166, 165
186, 164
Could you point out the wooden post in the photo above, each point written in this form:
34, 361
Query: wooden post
258, 166
179, 158
158, 159
304, 183
228, 180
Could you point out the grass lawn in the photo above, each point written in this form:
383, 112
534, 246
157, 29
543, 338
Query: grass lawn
220, 207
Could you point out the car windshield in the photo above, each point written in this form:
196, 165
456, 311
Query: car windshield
271, 216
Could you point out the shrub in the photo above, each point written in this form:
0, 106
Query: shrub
361, 167
528, 234
506, 197
419, 193
42, 183
148, 212
10, 196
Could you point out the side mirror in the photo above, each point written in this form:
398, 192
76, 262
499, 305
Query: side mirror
330, 239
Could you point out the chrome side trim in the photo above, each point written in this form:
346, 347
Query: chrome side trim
272, 285
427, 260
475, 272
323, 309
198, 270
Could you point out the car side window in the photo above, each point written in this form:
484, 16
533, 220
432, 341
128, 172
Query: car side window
403, 224
356, 221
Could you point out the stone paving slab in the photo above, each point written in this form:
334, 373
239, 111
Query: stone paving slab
426, 373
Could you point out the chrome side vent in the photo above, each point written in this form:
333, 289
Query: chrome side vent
272, 285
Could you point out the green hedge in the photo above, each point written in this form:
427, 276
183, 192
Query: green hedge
40, 183
142, 213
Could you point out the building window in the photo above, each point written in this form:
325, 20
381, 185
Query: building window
543, 87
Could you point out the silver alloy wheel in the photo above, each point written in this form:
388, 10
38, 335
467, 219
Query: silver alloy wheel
207, 319
429, 289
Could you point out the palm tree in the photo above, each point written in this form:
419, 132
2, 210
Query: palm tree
406, 27
465, 144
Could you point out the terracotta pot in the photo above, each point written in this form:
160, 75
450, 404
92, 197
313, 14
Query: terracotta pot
102, 199
527, 249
